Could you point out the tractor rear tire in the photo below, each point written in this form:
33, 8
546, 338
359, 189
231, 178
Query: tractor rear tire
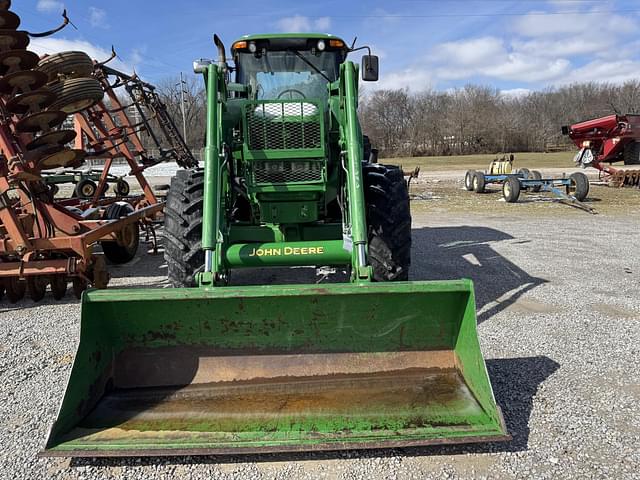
389, 222
183, 228
631, 153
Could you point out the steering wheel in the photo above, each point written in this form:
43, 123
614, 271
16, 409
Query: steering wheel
291, 91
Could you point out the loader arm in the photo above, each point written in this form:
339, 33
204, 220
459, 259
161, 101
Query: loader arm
212, 220
352, 148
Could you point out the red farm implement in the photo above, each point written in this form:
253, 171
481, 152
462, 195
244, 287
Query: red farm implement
607, 140
46, 240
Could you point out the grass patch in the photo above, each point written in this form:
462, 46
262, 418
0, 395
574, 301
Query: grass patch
480, 162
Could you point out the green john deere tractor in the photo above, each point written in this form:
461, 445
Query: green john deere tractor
208, 368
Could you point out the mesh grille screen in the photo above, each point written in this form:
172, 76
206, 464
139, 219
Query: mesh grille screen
287, 172
283, 126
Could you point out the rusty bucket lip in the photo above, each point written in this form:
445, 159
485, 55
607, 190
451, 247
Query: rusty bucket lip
299, 448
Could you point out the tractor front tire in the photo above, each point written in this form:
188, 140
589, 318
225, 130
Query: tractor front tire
389, 222
183, 228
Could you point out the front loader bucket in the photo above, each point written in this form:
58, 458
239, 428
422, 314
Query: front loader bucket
276, 368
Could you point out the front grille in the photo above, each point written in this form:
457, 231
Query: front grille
287, 172
283, 126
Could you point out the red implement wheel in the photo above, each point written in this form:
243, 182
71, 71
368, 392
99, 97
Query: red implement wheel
58, 286
76, 94
37, 287
79, 286
15, 289
66, 64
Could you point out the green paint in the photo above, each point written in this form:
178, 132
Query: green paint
288, 254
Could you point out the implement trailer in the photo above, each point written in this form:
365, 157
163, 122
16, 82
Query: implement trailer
576, 186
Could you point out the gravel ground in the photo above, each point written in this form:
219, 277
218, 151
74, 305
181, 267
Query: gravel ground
559, 316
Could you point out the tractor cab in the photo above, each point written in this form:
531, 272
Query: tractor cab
288, 67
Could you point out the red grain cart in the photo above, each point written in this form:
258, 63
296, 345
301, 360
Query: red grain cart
607, 140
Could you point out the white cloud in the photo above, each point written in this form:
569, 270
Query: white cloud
322, 24
491, 57
515, 92
138, 55
49, 6
299, 24
416, 79
469, 53
603, 71
542, 48
50, 45
567, 47
583, 25
98, 17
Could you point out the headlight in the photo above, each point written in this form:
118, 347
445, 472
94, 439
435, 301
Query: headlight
321, 45
252, 47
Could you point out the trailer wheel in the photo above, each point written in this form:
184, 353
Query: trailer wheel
511, 189
524, 172
183, 228
468, 180
579, 186
15, 289
631, 153
125, 248
479, 182
37, 287
389, 222
85, 189
536, 175
122, 188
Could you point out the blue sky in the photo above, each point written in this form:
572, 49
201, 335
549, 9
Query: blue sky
512, 45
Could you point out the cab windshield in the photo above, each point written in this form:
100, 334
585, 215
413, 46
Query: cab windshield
288, 75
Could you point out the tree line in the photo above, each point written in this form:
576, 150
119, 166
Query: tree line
480, 119
468, 120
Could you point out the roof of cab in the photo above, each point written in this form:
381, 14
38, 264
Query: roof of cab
266, 36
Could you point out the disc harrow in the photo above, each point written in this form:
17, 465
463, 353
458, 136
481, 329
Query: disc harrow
45, 242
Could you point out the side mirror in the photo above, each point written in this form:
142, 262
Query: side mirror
370, 68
